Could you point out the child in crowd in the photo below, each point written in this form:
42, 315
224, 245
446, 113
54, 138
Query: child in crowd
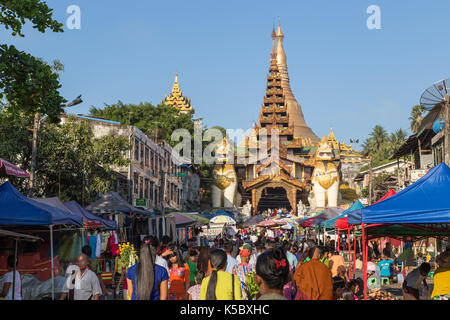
353, 285
348, 294
194, 291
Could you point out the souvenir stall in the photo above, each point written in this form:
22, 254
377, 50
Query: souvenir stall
132, 222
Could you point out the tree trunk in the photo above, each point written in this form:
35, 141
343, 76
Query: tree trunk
34, 155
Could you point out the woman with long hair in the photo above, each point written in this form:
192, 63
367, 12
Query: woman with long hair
147, 280
203, 260
220, 285
179, 275
272, 274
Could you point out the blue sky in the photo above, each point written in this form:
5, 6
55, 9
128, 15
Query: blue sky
342, 73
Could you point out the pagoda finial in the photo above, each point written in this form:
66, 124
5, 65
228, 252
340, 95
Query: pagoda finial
281, 55
273, 53
279, 32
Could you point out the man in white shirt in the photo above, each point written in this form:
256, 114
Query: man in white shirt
7, 285
414, 280
84, 282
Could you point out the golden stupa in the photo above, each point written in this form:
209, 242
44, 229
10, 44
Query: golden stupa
177, 100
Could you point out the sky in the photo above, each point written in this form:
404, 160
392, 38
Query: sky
343, 74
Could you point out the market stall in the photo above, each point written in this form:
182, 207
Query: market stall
423, 206
18, 210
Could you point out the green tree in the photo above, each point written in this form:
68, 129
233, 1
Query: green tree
378, 137
416, 117
72, 164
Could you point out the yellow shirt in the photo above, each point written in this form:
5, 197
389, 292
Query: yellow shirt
441, 282
223, 288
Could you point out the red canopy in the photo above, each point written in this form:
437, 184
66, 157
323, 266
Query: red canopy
343, 223
387, 195
8, 169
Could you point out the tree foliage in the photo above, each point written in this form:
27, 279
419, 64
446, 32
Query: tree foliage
416, 117
14, 13
72, 164
156, 121
28, 84
381, 145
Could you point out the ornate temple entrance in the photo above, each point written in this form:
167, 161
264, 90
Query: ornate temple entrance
273, 198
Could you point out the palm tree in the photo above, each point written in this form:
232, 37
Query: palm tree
367, 146
416, 117
396, 140
378, 136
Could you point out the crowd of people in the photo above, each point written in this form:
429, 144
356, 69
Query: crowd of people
219, 270
283, 269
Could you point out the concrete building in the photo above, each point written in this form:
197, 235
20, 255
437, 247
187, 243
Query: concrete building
363, 178
151, 168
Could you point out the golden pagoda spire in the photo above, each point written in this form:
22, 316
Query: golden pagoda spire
176, 98
273, 54
281, 55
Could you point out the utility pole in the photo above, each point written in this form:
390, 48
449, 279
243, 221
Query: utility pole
162, 196
34, 154
447, 130
370, 180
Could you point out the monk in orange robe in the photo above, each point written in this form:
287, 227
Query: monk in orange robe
313, 279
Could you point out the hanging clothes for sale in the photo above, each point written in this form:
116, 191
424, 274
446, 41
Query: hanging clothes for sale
98, 245
113, 245
93, 245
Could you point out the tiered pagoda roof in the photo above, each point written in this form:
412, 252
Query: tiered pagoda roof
177, 100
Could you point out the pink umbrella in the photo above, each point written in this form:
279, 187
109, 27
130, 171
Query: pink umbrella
267, 223
8, 169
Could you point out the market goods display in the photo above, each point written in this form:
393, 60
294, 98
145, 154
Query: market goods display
381, 295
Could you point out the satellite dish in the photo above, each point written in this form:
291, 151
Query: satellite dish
435, 94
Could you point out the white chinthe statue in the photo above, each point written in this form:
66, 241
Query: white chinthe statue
325, 177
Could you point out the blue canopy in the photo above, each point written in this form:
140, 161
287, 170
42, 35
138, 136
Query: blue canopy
426, 201
329, 224
78, 210
18, 210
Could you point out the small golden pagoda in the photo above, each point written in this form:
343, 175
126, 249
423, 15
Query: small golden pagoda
177, 100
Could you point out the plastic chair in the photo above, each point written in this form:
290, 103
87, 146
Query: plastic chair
372, 281
385, 280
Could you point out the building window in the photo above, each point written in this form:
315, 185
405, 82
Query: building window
146, 157
151, 191
142, 154
141, 187
136, 183
146, 183
150, 159
136, 149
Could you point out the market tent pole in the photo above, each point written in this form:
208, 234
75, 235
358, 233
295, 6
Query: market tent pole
335, 236
51, 257
349, 253
14, 273
338, 239
354, 252
364, 260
